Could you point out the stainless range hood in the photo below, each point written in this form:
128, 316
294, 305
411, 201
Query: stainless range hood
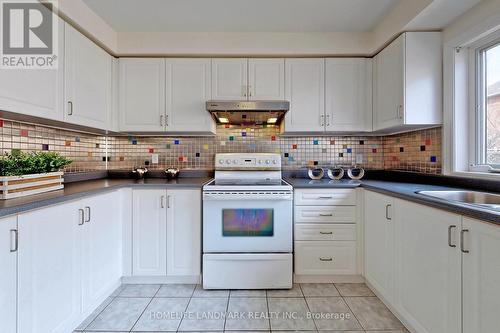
248, 112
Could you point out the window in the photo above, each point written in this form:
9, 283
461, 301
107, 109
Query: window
488, 98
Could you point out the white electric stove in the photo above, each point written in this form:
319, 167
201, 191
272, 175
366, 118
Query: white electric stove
247, 224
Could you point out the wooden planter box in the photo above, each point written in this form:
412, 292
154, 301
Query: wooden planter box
21, 186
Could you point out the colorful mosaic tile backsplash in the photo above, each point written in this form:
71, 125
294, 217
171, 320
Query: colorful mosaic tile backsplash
418, 151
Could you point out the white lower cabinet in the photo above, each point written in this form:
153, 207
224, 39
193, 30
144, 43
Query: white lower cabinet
428, 268
379, 243
183, 232
166, 233
325, 257
49, 270
325, 233
149, 232
8, 278
101, 248
440, 272
481, 277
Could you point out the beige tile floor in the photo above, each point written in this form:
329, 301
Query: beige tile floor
309, 307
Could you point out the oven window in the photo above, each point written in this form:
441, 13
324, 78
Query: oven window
247, 222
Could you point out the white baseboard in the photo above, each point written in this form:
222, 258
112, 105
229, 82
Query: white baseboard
328, 279
195, 279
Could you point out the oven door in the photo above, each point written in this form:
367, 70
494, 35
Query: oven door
244, 222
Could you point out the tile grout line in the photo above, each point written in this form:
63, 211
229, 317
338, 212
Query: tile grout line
113, 298
307, 304
151, 300
354, 315
187, 307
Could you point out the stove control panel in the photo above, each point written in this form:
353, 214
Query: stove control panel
248, 161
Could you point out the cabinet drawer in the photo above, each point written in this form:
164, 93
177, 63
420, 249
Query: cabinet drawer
325, 257
325, 214
325, 232
325, 197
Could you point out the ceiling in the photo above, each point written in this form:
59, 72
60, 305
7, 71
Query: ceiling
242, 15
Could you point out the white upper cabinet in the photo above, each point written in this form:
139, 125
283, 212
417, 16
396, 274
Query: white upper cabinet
35, 92
379, 243
229, 79
305, 89
183, 232
408, 82
149, 230
348, 94
142, 94
266, 79
428, 268
8, 278
88, 90
481, 276
188, 87
49, 279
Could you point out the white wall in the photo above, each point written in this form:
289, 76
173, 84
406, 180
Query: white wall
234, 44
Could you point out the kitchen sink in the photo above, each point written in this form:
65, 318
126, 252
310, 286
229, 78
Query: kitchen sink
474, 198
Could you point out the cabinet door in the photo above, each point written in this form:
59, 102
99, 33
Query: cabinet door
266, 79
348, 93
428, 265
101, 248
87, 81
142, 94
183, 232
379, 243
8, 278
35, 92
149, 233
229, 79
305, 89
49, 270
389, 85
481, 277
188, 87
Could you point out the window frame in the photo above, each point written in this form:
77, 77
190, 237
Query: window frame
479, 109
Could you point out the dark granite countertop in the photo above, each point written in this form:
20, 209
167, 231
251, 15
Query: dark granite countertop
404, 190
399, 189
77, 190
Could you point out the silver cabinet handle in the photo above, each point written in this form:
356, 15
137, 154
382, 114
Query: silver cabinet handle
327, 120
244, 88
322, 120
161, 121
326, 232
87, 212
166, 120
330, 197
326, 214
162, 201
387, 212
168, 201
462, 233
14, 240
249, 91
400, 111
81, 215
325, 259
449, 236
70, 108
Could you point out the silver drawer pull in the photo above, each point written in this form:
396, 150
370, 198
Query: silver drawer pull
326, 232
14, 240
325, 259
326, 214
330, 197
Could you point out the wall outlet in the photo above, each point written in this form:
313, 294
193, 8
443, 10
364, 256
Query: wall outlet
359, 158
154, 158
